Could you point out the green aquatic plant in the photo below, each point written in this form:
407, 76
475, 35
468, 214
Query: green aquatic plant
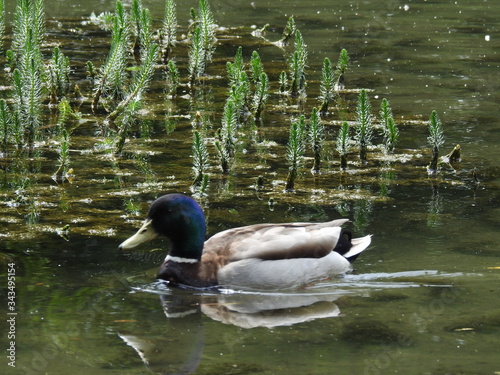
28, 77
295, 151
340, 69
226, 144
316, 135
201, 158
140, 82
256, 67
289, 31
65, 115
110, 79
173, 78
130, 105
2, 23
169, 29
59, 70
63, 163
207, 27
28, 88
389, 128
364, 126
435, 139
146, 37
29, 30
261, 95
196, 64
343, 144
6, 127
297, 65
327, 86
239, 84
135, 21
283, 82
236, 68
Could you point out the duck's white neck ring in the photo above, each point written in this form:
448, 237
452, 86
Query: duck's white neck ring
180, 259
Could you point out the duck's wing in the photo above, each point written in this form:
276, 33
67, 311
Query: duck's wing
276, 241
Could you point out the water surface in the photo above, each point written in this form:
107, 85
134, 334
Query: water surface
422, 300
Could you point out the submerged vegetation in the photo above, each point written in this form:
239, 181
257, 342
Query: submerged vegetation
150, 81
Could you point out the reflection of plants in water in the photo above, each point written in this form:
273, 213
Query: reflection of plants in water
362, 209
435, 207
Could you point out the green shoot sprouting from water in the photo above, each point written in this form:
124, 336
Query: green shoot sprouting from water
29, 31
6, 128
364, 128
283, 81
340, 69
109, 80
239, 84
316, 138
200, 158
29, 74
298, 64
196, 64
256, 67
261, 95
342, 145
236, 69
2, 23
390, 130
295, 151
208, 27
59, 75
65, 116
261, 82
169, 29
289, 30
327, 86
435, 139
227, 136
62, 169
173, 78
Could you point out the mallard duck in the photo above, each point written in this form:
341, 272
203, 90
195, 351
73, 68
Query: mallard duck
259, 256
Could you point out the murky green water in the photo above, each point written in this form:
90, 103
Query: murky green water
424, 299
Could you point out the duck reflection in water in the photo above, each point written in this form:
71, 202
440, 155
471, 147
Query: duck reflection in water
179, 351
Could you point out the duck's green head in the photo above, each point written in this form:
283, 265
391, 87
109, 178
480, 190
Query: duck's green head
177, 217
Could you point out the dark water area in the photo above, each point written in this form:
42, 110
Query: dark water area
423, 299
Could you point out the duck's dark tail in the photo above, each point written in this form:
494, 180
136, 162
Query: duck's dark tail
344, 242
350, 247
